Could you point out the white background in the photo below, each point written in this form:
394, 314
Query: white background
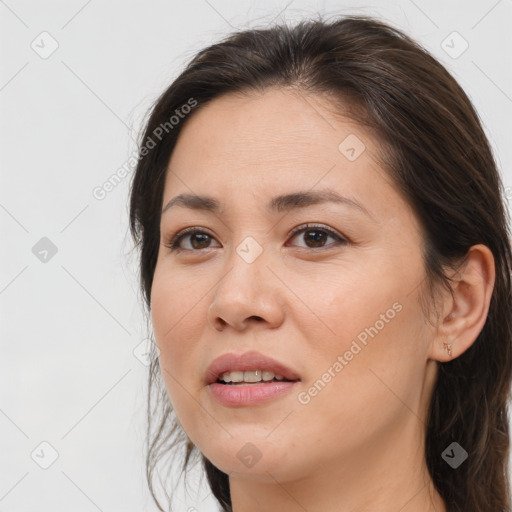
69, 326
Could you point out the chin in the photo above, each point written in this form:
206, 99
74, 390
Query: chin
258, 460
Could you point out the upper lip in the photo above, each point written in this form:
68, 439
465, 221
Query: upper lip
252, 360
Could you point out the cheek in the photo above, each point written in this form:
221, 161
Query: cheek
174, 311
175, 305
371, 387
343, 304
369, 347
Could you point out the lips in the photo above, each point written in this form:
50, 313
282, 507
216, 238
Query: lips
246, 361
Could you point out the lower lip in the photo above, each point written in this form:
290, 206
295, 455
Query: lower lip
249, 394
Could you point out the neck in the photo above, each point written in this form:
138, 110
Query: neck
388, 474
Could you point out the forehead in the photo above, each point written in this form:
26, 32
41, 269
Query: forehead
261, 133
244, 146
262, 127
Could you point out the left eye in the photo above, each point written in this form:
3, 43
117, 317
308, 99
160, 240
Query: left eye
200, 239
317, 235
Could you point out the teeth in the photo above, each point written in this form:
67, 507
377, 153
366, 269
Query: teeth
250, 376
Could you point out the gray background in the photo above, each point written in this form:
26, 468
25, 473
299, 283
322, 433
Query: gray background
71, 323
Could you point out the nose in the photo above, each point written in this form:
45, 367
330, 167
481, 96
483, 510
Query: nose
247, 293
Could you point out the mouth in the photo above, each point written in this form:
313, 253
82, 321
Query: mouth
251, 377
248, 368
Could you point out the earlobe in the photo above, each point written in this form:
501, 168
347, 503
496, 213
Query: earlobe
465, 310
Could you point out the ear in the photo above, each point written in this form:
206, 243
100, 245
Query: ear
463, 313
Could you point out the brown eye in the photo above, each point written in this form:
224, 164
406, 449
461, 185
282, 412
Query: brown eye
197, 238
316, 236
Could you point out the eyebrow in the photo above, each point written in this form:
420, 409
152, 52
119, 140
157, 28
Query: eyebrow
281, 203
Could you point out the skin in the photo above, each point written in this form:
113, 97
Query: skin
358, 444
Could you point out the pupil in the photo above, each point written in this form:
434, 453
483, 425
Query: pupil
315, 238
204, 236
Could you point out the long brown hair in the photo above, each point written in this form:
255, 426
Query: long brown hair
438, 156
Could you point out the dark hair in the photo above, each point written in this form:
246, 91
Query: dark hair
436, 153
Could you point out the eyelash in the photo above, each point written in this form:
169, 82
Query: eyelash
174, 241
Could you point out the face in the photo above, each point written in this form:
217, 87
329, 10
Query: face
327, 288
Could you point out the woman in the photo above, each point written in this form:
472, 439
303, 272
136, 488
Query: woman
326, 260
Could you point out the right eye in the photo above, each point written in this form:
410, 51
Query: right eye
198, 238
